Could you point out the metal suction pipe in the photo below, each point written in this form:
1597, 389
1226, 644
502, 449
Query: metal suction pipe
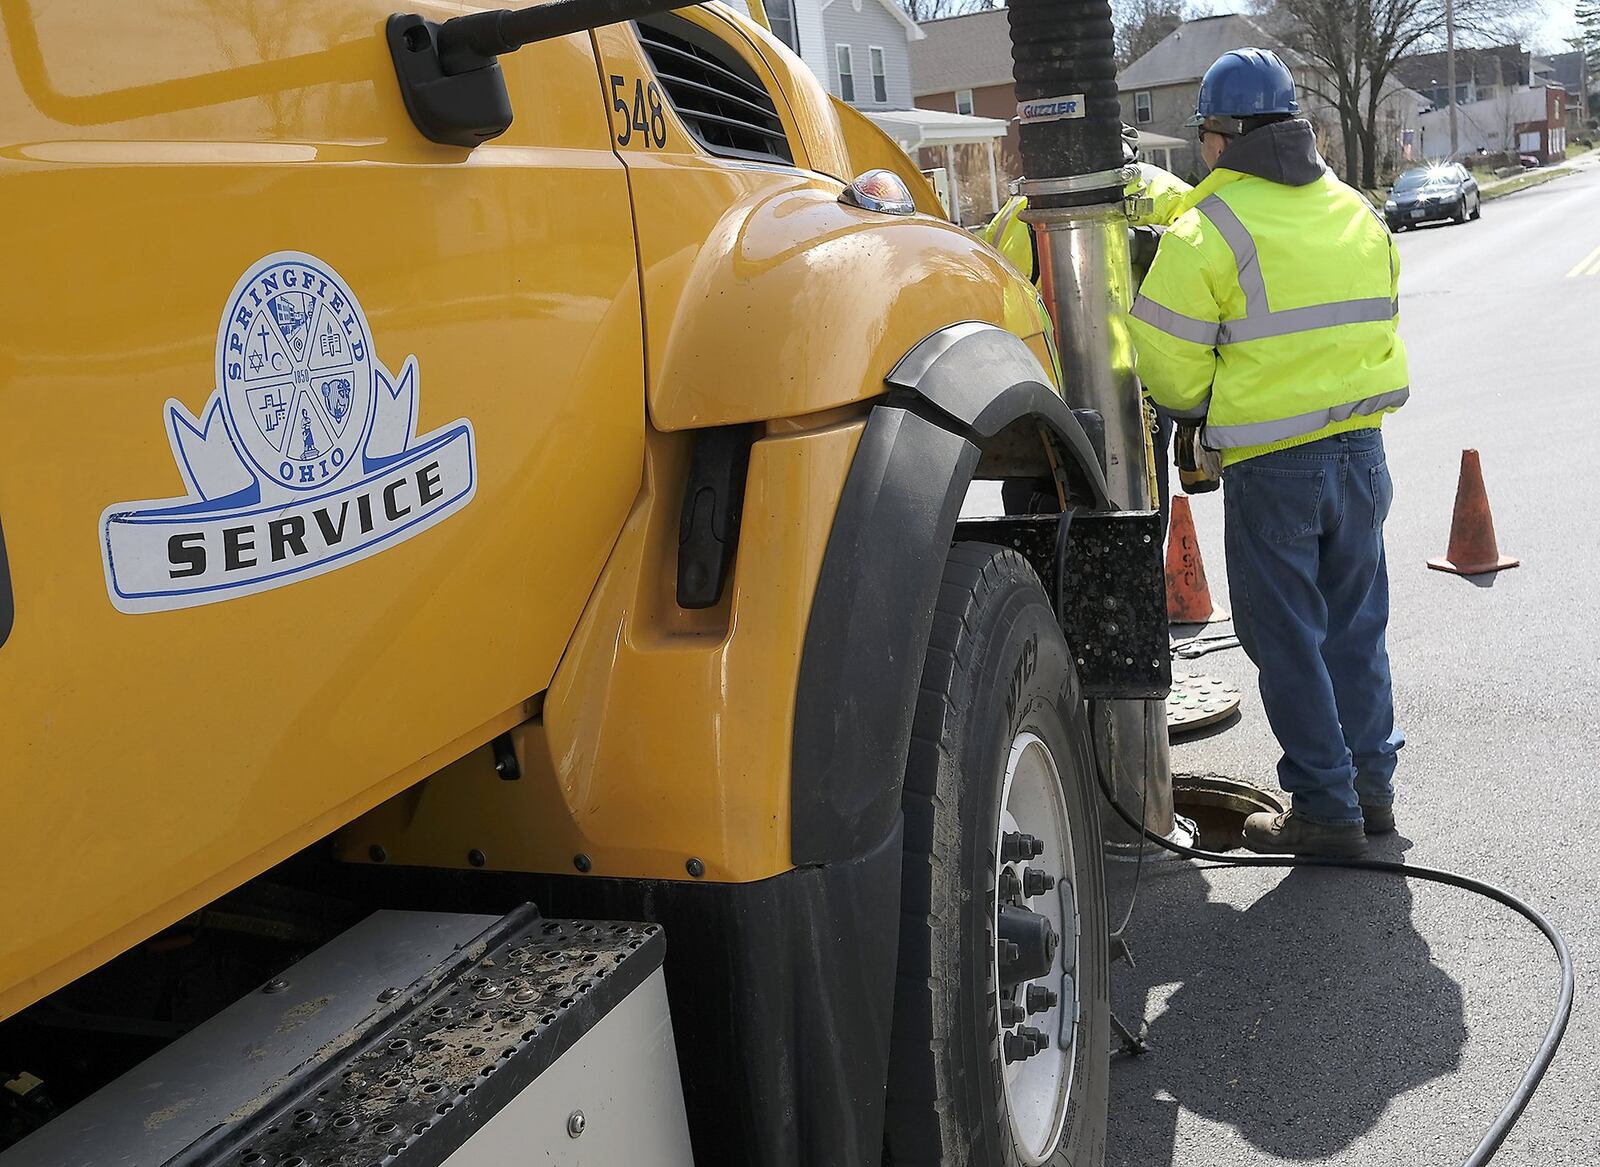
1070, 137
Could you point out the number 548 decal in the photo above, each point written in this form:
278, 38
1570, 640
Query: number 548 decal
646, 116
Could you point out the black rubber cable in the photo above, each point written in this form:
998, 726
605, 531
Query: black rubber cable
1512, 1111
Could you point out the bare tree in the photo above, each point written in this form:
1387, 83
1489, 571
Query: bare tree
1143, 24
920, 10
1353, 45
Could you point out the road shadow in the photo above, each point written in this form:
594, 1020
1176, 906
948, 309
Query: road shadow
1295, 1022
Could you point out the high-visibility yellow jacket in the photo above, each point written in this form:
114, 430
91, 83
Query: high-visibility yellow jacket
1270, 309
1158, 199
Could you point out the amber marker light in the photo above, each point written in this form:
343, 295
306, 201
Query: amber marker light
879, 190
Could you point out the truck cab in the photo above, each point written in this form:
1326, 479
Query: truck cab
390, 524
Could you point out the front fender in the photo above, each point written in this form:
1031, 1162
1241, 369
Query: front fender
796, 303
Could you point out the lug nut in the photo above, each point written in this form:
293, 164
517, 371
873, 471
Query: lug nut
1036, 882
1015, 845
1008, 952
1010, 886
1011, 1013
1040, 998
1024, 1043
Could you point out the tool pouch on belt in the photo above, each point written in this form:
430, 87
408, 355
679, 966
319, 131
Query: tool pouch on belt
1199, 468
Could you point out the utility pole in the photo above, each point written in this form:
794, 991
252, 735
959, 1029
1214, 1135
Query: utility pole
1583, 80
1450, 70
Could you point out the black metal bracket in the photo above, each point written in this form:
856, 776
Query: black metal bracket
505, 758
454, 109
1104, 572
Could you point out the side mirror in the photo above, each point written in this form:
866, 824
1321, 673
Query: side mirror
450, 75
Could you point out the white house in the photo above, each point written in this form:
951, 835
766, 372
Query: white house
860, 50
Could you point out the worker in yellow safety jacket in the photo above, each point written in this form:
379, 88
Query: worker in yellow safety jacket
1270, 311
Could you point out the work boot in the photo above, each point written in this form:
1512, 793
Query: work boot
1289, 834
1377, 818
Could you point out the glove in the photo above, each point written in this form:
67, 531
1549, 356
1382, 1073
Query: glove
1199, 468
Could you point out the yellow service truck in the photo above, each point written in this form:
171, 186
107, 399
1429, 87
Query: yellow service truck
438, 480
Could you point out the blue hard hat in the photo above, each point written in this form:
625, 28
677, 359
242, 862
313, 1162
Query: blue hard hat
1245, 83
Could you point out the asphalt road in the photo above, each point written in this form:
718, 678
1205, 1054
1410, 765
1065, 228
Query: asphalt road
1352, 1019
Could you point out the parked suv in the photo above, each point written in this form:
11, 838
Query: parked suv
1429, 193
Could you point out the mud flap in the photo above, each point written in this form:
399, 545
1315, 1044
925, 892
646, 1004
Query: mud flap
1104, 572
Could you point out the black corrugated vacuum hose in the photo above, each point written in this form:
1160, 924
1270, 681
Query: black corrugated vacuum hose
1063, 48
1507, 1118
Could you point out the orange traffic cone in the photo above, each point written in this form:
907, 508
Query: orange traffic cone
1188, 594
1473, 550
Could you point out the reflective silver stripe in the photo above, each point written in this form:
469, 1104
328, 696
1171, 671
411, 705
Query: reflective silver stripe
1290, 320
1261, 433
1243, 247
1195, 414
1260, 321
1011, 210
1174, 323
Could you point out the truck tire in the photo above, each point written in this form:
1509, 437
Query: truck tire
1000, 748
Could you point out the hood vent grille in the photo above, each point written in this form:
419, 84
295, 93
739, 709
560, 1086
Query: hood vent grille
714, 92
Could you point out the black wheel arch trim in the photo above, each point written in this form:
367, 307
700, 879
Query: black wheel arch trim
867, 633
988, 379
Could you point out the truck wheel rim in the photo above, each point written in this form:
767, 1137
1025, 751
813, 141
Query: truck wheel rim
1037, 1086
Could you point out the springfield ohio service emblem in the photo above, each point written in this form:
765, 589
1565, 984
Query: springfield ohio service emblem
305, 458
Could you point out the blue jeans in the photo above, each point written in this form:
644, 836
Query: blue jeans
1310, 592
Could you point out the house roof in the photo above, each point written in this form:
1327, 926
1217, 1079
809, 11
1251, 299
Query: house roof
1425, 71
1150, 140
962, 52
915, 128
913, 30
1185, 53
1568, 70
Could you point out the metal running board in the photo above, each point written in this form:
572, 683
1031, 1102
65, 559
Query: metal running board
414, 1039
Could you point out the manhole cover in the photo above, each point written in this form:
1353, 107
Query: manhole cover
1197, 700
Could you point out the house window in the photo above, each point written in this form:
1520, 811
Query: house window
964, 102
847, 78
1141, 107
780, 17
880, 80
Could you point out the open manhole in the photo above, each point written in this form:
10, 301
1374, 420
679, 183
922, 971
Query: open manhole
1219, 807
